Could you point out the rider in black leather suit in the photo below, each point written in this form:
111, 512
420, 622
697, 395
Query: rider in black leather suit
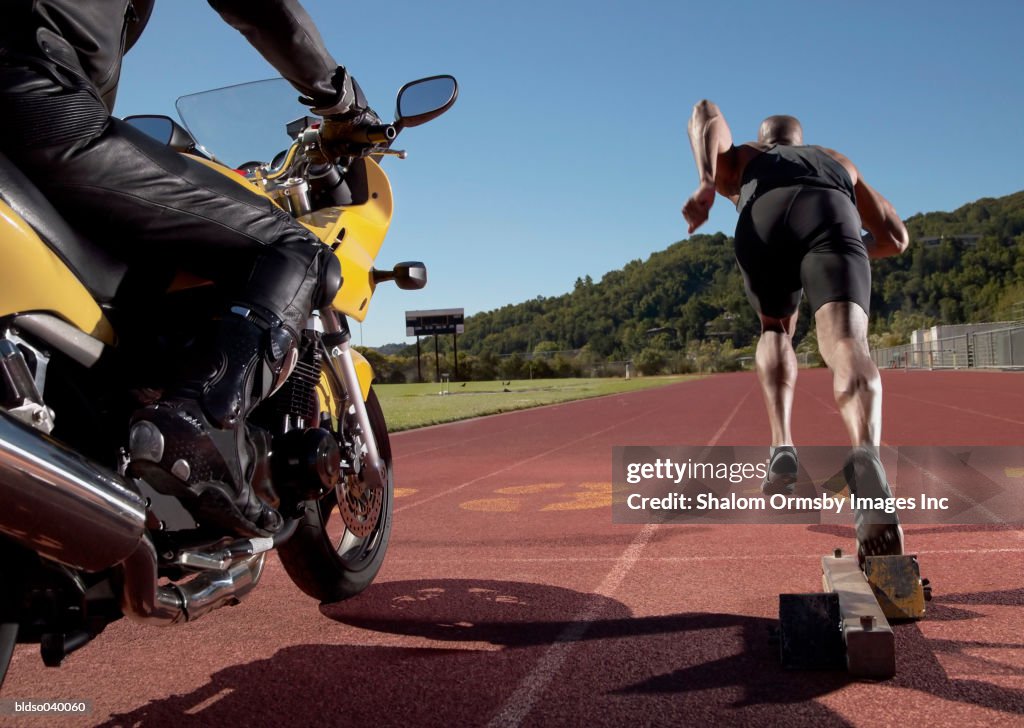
59, 67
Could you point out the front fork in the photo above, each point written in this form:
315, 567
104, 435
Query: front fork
337, 340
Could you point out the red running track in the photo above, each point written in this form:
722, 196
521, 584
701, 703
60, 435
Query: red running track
509, 597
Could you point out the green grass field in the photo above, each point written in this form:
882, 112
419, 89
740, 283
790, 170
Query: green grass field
416, 405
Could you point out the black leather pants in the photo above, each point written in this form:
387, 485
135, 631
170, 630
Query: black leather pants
150, 205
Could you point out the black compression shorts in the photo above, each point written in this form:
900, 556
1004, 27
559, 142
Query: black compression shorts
791, 239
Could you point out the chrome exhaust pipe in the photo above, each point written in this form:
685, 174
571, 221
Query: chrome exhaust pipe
63, 506
145, 600
73, 511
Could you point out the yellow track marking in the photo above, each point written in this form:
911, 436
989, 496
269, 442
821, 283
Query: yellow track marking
492, 505
590, 495
527, 489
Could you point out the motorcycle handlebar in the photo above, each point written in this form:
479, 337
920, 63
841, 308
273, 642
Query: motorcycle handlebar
374, 134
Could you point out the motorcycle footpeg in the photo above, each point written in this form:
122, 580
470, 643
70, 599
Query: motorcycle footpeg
221, 558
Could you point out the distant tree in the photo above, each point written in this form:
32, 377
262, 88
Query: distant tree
512, 367
486, 367
546, 347
651, 361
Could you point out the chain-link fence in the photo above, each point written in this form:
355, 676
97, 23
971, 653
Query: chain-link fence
1000, 348
993, 349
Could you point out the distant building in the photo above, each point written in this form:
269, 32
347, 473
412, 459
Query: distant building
968, 241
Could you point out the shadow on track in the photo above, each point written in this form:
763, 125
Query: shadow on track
704, 667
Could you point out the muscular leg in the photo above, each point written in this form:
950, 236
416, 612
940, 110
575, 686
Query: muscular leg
770, 265
777, 371
843, 340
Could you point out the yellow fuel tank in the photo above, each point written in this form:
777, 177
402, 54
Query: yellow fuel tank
33, 278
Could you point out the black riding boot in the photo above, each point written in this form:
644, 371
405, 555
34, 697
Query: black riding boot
194, 443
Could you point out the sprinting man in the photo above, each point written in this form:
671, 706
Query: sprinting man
801, 213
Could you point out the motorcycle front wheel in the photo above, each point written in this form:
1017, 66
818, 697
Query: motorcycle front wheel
337, 550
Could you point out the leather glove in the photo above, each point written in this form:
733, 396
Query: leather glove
340, 133
344, 117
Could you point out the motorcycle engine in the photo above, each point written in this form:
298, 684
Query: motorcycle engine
306, 460
295, 404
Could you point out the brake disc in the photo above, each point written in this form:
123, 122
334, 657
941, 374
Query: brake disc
359, 505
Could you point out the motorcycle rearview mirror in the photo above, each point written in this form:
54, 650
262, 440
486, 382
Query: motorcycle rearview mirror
409, 276
425, 99
165, 130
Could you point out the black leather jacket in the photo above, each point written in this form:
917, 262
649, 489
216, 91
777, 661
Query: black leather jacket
88, 38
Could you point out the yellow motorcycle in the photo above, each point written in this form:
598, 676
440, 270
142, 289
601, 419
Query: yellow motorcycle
82, 543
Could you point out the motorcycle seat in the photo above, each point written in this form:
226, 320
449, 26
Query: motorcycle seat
100, 272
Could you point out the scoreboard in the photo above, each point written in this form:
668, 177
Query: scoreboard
437, 321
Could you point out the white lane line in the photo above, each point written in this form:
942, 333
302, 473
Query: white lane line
684, 559
959, 409
200, 707
972, 551
448, 444
728, 420
530, 689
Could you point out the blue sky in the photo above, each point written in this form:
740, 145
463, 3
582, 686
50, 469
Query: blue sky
566, 154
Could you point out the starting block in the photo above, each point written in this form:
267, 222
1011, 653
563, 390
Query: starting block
898, 586
848, 625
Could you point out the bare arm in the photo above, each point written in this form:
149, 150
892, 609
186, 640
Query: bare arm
888, 235
713, 152
710, 138
877, 215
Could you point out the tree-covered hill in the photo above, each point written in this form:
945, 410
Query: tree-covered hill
682, 291
962, 266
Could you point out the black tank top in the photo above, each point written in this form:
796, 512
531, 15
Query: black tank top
787, 166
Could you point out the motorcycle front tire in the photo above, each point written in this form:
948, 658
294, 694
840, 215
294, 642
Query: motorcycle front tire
329, 571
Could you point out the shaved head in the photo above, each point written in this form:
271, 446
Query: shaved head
781, 129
